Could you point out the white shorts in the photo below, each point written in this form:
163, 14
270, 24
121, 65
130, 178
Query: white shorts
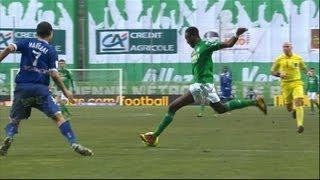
312, 95
204, 93
61, 96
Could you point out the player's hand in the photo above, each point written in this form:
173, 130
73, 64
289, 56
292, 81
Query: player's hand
241, 31
283, 75
69, 95
309, 73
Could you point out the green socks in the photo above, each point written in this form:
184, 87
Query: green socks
230, 105
163, 123
312, 108
238, 104
201, 108
64, 110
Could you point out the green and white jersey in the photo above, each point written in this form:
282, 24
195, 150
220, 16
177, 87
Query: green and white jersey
201, 59
66, 78
312, 84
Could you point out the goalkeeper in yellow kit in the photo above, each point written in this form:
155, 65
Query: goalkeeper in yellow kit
287, 66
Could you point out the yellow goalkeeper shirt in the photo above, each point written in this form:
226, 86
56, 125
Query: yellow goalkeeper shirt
290, 66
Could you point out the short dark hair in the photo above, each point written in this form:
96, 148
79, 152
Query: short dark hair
193, 31
62, 60
44, 29
311, 68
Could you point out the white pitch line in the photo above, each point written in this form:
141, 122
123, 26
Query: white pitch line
140, 115
266, 151
243, 150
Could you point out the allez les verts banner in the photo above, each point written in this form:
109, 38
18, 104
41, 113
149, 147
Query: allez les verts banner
174, 79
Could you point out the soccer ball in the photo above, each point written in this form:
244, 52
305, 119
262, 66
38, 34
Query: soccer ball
156, 142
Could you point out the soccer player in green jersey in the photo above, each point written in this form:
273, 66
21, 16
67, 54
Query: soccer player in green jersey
313, 89
208, 36
202, 87
66, 77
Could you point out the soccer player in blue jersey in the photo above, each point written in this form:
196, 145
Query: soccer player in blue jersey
37, 64
226, 85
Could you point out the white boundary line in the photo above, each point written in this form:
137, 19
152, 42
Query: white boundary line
238, 150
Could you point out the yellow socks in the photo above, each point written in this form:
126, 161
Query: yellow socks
300, 115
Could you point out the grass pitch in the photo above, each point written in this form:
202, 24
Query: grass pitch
244, 144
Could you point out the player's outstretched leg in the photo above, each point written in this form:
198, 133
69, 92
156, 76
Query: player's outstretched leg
84, 151
201, 110
5, 146
241, 103
66, 131
261, 104
11, 129
148, 138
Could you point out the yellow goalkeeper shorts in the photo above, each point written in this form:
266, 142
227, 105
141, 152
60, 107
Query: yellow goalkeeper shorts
292, 90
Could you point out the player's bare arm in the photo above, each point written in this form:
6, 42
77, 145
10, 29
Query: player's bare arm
232, 41
56, 78
9, 49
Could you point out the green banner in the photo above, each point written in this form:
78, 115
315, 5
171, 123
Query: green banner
7, 36
174, 78
19, 19
137, 41
181, 72
169, 79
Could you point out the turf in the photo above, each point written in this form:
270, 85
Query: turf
244, 144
